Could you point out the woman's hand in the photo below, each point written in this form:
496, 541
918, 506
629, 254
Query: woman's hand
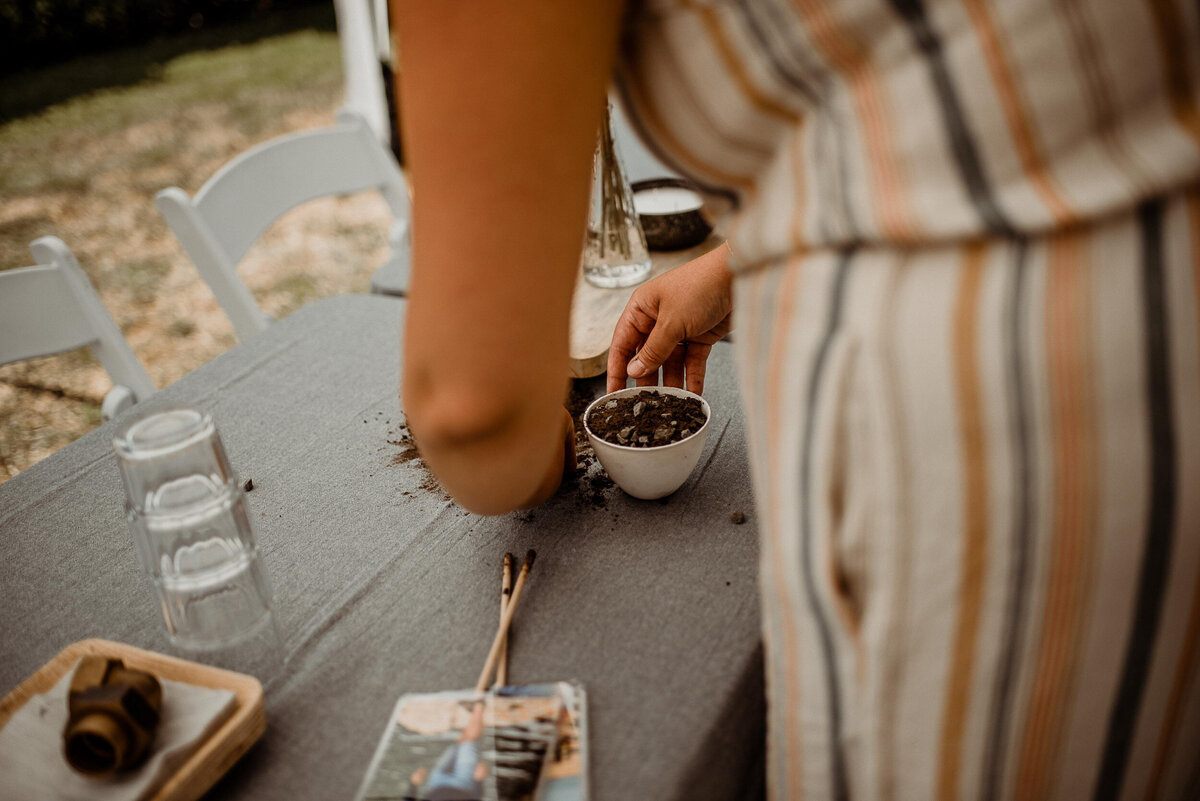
672, 322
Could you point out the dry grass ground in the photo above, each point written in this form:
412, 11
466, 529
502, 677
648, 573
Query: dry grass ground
87, 169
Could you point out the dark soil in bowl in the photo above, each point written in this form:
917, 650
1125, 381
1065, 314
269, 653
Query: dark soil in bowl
646, 419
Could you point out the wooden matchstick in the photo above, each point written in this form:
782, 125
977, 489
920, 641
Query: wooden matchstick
505, 622
505, 594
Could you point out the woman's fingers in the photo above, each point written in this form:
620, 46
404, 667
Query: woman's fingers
696, 363
619, 354
673, 367
634, 324
660, 343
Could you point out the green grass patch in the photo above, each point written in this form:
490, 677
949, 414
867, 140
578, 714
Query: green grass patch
20, 231
36, 89
92, 416
300, 62
141, 279
296, 290
179, 327
254, 85
154, 155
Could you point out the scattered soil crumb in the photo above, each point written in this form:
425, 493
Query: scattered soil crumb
577, 402
647, 419
407, 453
593, 486
591, 482
248, 485
737, 518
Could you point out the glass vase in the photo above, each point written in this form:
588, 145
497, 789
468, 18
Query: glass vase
614, 252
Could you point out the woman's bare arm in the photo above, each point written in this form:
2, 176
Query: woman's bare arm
500, 103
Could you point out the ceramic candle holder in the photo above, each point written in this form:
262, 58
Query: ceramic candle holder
672, 213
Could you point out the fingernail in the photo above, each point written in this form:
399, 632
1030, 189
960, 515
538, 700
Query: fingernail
636, 368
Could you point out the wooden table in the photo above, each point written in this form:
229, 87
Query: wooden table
383, 586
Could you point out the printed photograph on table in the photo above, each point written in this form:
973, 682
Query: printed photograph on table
565, 777
502, 746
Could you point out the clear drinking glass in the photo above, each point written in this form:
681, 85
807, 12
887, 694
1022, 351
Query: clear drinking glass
614, 252
171, 459
189, 520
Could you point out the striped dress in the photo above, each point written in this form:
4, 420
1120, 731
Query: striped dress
967, 246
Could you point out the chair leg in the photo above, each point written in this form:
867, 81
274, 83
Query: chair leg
118, 400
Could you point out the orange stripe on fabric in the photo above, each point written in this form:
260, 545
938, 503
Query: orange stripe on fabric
785, 309
852, 59
1173, 43
649, 116
1185, 670
1013, 106
751, 92
969, 391
1069, 364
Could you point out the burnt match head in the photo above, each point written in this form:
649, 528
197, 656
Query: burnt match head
530, 555
508, 559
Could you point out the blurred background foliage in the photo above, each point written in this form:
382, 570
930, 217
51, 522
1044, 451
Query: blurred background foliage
35, 35
90, 131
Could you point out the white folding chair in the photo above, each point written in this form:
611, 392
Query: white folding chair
52, 308
363, 35
233, 209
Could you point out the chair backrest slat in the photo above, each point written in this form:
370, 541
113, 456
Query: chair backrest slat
52, 308
258, 187
361, 42
241, 201
39, 314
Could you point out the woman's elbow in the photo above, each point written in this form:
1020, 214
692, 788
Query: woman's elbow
456, 419
473, 442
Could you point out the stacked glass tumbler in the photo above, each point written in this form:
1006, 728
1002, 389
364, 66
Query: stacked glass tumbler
188, 517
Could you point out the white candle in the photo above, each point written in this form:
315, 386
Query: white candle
666, 200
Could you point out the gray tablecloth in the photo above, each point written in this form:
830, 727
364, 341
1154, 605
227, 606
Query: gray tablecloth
384, 587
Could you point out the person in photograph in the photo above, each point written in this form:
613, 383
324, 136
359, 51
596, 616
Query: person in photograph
459, 773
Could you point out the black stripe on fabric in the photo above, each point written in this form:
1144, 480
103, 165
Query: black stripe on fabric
831, 172
832, 683
794, 79
830, 123
1024, 480
970, 168
1156, 557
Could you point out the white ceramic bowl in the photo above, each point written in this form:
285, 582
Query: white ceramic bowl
655, 472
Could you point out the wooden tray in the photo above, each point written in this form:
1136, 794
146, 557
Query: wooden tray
215, 756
